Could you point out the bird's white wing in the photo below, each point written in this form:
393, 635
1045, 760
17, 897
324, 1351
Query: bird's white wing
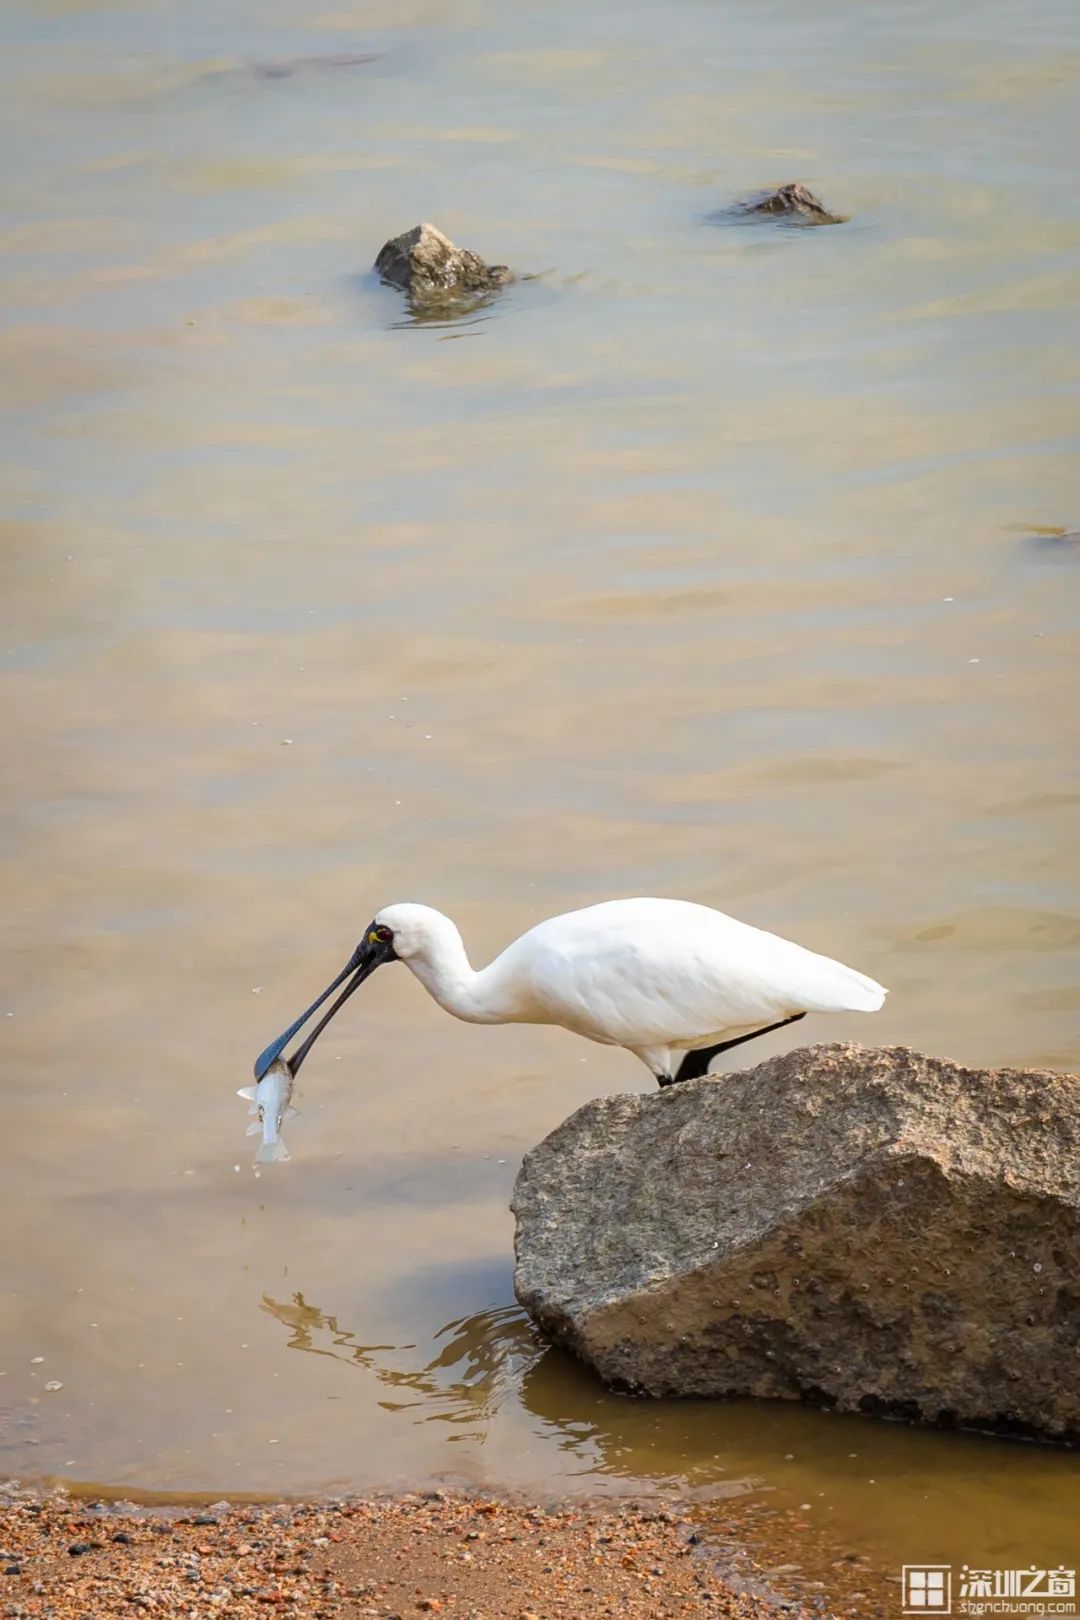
644, 972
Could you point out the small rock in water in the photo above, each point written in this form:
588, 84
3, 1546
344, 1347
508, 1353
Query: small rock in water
426, 264
794, 198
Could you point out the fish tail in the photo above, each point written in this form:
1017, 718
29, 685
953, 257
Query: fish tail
272, 1152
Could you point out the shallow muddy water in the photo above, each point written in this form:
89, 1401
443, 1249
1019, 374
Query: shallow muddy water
708, 562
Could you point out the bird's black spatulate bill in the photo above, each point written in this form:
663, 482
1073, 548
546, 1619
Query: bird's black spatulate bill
270, 1054
373, 950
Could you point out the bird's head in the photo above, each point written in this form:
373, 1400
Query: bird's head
415, 931
403, 932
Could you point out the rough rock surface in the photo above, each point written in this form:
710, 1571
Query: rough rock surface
426, 264
794, 198
875, 1230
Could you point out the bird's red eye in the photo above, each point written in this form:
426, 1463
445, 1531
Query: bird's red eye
383, 934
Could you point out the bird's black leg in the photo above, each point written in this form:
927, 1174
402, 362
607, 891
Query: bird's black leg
696, 1063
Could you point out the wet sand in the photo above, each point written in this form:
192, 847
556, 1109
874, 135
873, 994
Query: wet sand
430, 1553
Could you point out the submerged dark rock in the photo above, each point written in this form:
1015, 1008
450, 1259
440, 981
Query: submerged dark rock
427, 265
877, 1231
793, 199
287, 67
1055, 539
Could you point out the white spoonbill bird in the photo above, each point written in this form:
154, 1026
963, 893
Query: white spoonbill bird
673, 982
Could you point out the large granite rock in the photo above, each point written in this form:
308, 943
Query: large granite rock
426, 264
872, 1230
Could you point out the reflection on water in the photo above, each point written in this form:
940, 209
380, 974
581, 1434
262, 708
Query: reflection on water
452, 315
879, 1486
482, 1363
479, 1364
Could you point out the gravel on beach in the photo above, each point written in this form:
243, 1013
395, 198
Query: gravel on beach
433, 1553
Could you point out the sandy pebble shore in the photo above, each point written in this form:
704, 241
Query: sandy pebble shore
433, 1553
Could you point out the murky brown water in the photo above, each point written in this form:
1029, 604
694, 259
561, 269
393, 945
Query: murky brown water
701, 565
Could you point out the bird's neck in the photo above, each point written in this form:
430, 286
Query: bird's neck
449, 977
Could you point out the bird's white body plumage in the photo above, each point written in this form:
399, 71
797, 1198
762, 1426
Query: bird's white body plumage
654, 976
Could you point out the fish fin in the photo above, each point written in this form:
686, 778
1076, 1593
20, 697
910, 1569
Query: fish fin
247, 1092
291, 1113
272, 1152
253, 1129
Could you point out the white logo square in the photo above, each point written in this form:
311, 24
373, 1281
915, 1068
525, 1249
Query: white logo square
927, 1588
